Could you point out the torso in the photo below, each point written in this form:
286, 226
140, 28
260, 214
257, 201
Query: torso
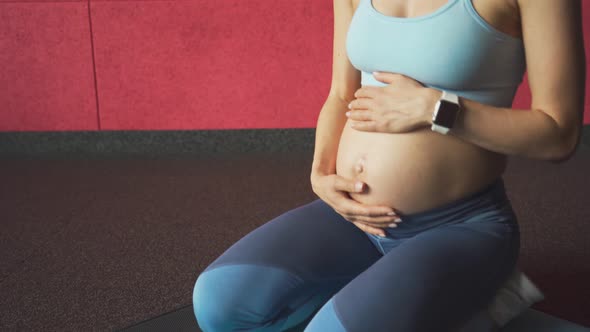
422, 169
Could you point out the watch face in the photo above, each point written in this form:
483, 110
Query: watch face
447, 112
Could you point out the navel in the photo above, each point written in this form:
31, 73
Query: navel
361, 164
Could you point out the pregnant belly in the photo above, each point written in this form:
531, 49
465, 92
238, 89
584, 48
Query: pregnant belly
415, 171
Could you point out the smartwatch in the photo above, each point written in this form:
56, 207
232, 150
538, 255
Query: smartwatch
445, 114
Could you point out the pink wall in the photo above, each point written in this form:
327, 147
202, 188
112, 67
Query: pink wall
126, 65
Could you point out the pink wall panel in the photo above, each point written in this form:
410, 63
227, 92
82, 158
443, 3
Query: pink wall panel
46, 80
217, 65
212, 64
171, 64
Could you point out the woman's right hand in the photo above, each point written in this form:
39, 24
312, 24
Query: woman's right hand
333, 189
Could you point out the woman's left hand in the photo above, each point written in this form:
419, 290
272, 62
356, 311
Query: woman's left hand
403, 105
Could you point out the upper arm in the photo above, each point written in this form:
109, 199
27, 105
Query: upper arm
345, 78
556, 66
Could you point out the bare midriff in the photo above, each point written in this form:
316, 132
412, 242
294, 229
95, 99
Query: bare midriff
414, 171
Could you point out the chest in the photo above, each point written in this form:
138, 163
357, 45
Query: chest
439, 43
503, 15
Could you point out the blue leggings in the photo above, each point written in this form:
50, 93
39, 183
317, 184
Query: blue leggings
433, 272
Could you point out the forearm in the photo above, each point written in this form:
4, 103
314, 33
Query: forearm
528, 133
330, 123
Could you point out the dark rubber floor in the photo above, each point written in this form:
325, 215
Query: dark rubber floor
102, 245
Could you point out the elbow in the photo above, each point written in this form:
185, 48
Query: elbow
565, 147
563, 156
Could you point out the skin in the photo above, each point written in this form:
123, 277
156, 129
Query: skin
482, 137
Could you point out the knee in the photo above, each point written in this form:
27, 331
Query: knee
211, 307
232, 298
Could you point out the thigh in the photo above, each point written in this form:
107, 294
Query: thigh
434, 281
278, 274
311, 241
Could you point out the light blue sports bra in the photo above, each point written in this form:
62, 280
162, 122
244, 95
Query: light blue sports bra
452, 49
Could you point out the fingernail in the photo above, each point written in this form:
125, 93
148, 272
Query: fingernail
349, 106
347, 113
359, 186
390, 213
382, 235
397, 220
392, 225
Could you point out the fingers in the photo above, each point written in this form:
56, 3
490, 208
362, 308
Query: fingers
361, 104
373, 215
369, 229
387, 77
395, 79
352, 207
380, 222
361, 115
343, 184
366, 91
367, 126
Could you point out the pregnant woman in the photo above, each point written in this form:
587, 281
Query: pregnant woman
412, 231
